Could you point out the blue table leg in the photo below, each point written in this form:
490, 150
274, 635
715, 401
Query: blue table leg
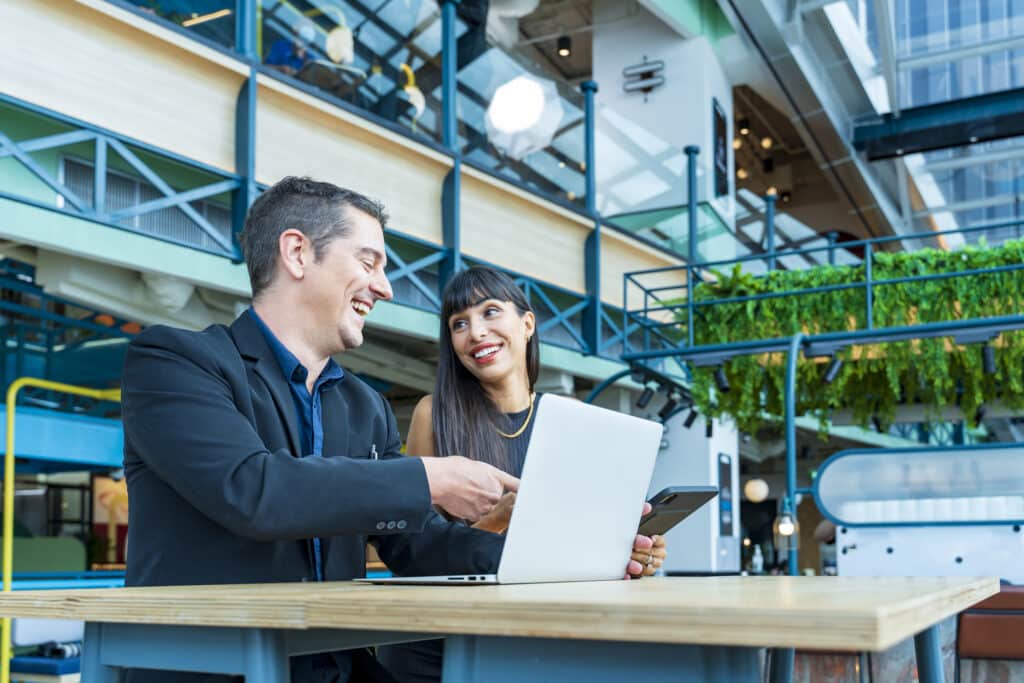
928, 650
93, 668
492, 659
266, 656
780, 669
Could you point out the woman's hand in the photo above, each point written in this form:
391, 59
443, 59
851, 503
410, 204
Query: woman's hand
496, 521
649, 554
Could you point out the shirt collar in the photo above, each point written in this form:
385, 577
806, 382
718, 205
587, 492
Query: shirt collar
293, 370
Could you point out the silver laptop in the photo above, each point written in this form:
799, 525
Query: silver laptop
580, 498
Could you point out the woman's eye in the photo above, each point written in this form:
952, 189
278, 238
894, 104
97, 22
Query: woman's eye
458, 325
492, 310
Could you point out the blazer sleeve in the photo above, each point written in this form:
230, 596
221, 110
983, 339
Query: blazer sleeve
442, 547
182, 420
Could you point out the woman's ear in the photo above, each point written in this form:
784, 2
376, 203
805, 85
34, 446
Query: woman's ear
530, 323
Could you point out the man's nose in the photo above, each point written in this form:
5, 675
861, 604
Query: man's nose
381, 287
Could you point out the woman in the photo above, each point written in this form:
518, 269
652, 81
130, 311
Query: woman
483, 407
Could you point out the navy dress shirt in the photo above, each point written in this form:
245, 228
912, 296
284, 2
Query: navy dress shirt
308, 407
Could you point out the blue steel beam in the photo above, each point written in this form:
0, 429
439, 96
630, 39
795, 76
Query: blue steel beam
177, 199
67, 440
407, 271
161, 185
965, 121
14, 149
826, 344
50, 141
245, 150
592, 248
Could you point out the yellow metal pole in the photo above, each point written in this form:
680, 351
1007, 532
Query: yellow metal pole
8, 525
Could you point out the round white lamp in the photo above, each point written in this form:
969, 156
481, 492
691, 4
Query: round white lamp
523, 115
755, 490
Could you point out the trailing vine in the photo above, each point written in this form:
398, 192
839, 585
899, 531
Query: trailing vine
874, 380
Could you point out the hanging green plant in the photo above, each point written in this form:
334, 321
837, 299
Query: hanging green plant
874, 380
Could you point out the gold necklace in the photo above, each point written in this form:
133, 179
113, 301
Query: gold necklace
525, 422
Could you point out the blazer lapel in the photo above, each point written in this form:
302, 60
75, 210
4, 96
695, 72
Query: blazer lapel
253, 347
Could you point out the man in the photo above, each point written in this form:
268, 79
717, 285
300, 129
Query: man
251, 456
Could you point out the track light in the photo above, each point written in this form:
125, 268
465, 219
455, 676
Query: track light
833, 370
766, 142
564, 46
666, 410
742, 173
979, 416
786, 196
690, 419
709, 429
988, 359
721, 381
645, 397
744, 126
878, 424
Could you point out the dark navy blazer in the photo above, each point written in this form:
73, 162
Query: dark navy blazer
220, 493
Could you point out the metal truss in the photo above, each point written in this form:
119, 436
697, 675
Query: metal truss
104, 144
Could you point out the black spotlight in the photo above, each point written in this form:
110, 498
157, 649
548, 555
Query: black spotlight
988, 359
721, 381
645, 397
666, 410
690, 419
979, 416
564, 46
833, 370
768, 165
709, 430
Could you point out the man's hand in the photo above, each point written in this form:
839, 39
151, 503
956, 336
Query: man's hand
465, 488
649, 553
496, 521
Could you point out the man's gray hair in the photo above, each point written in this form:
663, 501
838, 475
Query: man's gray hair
316, 209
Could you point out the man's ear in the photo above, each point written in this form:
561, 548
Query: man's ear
293, 252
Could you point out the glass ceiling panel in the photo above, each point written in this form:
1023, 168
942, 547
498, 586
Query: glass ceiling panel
972, 186
947, 50
944, 49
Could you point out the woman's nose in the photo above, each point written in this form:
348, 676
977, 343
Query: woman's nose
477, 329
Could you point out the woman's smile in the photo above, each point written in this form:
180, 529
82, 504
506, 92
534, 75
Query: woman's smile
486, 353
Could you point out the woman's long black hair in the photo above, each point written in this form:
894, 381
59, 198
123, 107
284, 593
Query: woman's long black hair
465, 419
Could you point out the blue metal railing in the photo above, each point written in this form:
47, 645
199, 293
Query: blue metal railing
656, 299
69, 132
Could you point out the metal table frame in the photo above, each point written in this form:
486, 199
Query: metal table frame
261, 655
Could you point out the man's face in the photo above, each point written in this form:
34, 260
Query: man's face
345, 284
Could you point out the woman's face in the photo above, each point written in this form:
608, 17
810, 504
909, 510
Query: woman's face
490, 340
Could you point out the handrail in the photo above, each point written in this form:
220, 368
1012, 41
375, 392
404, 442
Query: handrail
846, 246
8, 522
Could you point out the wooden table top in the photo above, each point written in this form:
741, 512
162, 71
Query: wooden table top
848, 613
